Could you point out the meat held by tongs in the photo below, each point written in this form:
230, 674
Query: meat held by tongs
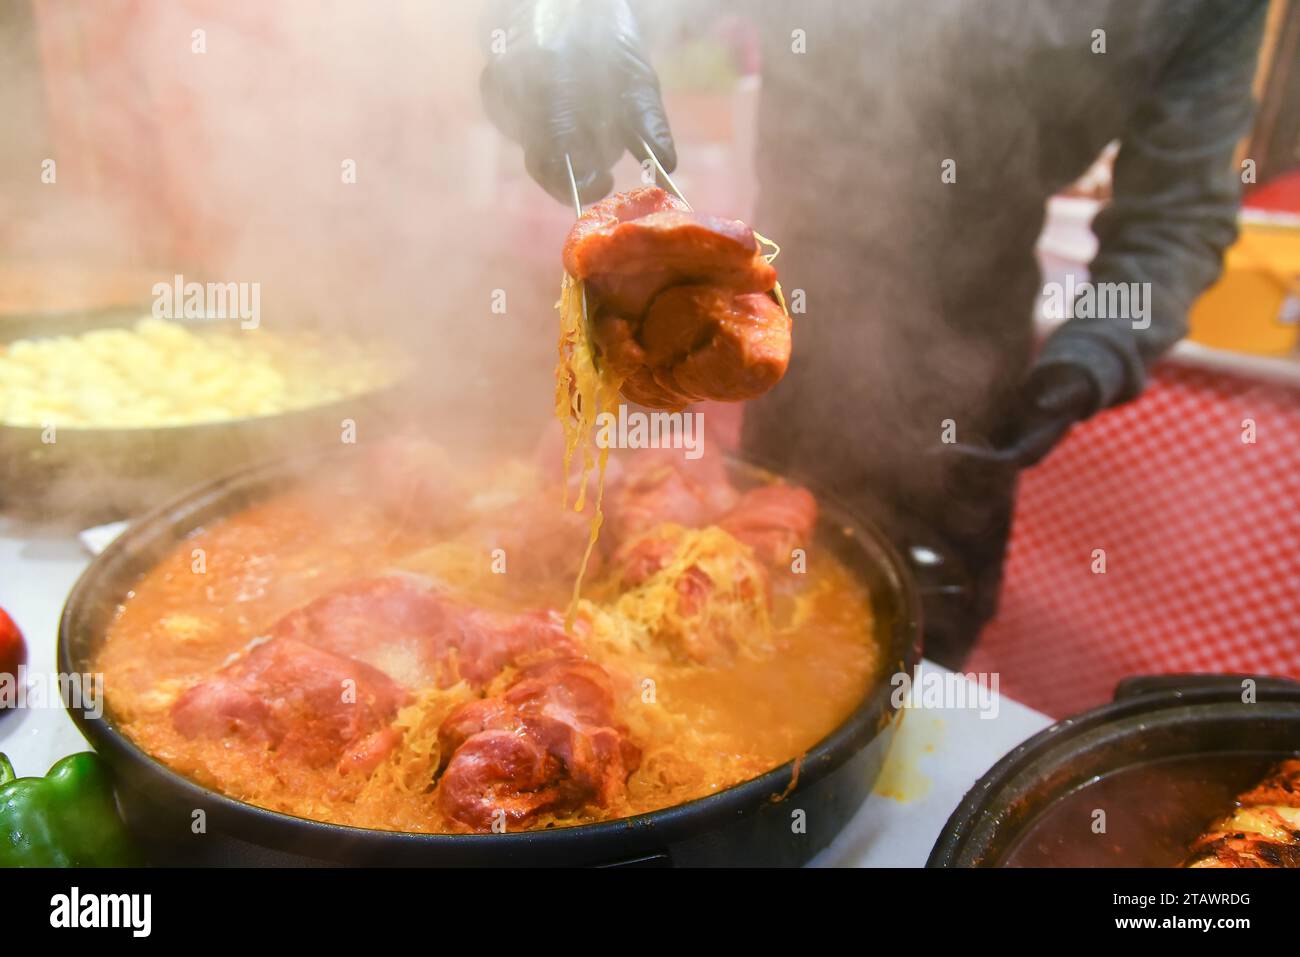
682, 305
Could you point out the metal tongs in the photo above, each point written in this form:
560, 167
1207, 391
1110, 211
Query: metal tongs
663, 179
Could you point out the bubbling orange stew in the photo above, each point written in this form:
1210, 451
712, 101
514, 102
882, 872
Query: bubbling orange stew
384, 644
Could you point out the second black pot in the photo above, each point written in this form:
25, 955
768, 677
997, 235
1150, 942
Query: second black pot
1151, 719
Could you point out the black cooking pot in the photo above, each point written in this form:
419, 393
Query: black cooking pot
780, 818
1152, 718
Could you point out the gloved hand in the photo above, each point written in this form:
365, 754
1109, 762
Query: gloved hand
573, 79
1055, 397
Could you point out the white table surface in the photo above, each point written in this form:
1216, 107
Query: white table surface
937, 756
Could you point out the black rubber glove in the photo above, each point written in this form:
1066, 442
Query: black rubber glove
573, 79
1055, 397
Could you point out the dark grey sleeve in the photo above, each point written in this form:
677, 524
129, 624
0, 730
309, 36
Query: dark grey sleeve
1176, 197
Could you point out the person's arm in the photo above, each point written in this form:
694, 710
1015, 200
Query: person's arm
1173, 213
1177, 192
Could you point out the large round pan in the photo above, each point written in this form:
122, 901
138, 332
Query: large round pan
92, 475
86, 475
780, 818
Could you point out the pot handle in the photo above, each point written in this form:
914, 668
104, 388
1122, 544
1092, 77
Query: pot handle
937, 571
1139, 685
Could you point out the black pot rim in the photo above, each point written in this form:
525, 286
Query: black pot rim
279, 829
1180, 691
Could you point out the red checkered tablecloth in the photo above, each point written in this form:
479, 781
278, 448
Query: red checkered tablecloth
1201, 538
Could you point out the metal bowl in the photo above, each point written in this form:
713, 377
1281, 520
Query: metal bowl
89, 475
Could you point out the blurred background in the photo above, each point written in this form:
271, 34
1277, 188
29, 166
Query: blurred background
226, 164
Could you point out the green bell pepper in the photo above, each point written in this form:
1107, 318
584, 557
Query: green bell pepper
66, 819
